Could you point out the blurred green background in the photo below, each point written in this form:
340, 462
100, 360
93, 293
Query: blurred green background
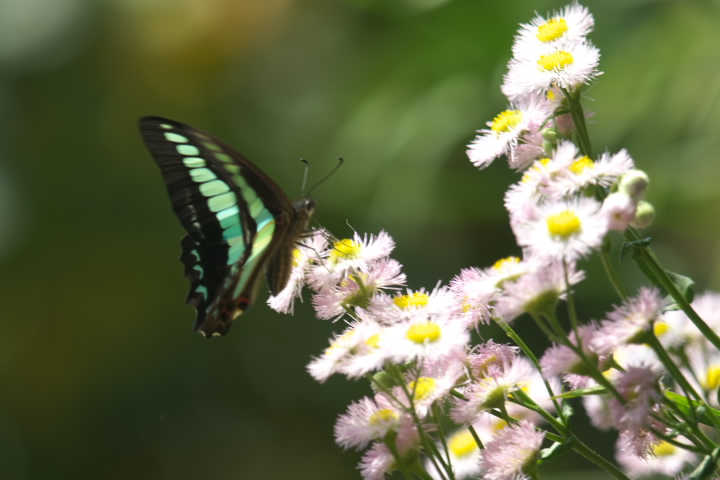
101, 374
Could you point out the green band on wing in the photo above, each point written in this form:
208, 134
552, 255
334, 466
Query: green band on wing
221, 202
193, 162
260, 243
202, 175
236, 250
216, 187
224, 157
212, 146
175, 137
189, 150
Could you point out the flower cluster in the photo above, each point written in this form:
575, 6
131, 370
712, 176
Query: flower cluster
421, 351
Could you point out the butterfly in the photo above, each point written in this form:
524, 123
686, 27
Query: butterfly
238, 221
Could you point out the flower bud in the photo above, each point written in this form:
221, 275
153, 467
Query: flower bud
644, 215
634, 183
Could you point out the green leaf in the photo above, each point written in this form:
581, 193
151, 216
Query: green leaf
580, 392
629, 246
707, 467
685, 287
556, 450
702, 411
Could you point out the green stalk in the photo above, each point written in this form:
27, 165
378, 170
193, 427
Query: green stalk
647, 257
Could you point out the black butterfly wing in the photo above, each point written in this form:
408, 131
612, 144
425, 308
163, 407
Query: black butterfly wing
235, 217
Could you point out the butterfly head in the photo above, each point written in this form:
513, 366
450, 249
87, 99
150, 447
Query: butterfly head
305, 207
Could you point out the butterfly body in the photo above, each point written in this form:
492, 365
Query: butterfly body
238, 221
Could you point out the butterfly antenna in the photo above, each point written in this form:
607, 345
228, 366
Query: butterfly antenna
305, 176
340, 162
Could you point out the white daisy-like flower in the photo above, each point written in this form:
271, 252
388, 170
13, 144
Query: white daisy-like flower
357, 289
430, 384
423, 336
485, 357
597, 408
355, 352
463, 456
640, 390
512, 452
392, 309
535, 388
538, 182
638, 355
491, 391
476, 289
707, 305
705, 364
570, 25
562, 360
356, 254
567, 67
306, 254
367, 420
565, 229
629, 323
583, 172
538, 291
509, 130
379, 460
667, 460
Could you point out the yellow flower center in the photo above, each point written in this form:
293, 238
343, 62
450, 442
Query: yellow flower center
462, 444
499, 425
664, 449
482, 369
467, 306
506, 121
374, 341
556, 60
581, 164
505, 262
344, 249
712, 378
417, 299
341, 341
422, 388
385, 415
660, 328
424, 332
552, 30
543, 162
296, 257
564, 224
551, 95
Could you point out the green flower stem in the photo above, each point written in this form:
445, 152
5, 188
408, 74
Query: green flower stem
426, 441
612, 273
398, 378
476, 437
594, 372
647, 257
703, 450
572, 314
398, 458
597, 459
556, 334
522, 399
526, 350
420, 472
576, 443
441, 432
673, 369
578, 116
